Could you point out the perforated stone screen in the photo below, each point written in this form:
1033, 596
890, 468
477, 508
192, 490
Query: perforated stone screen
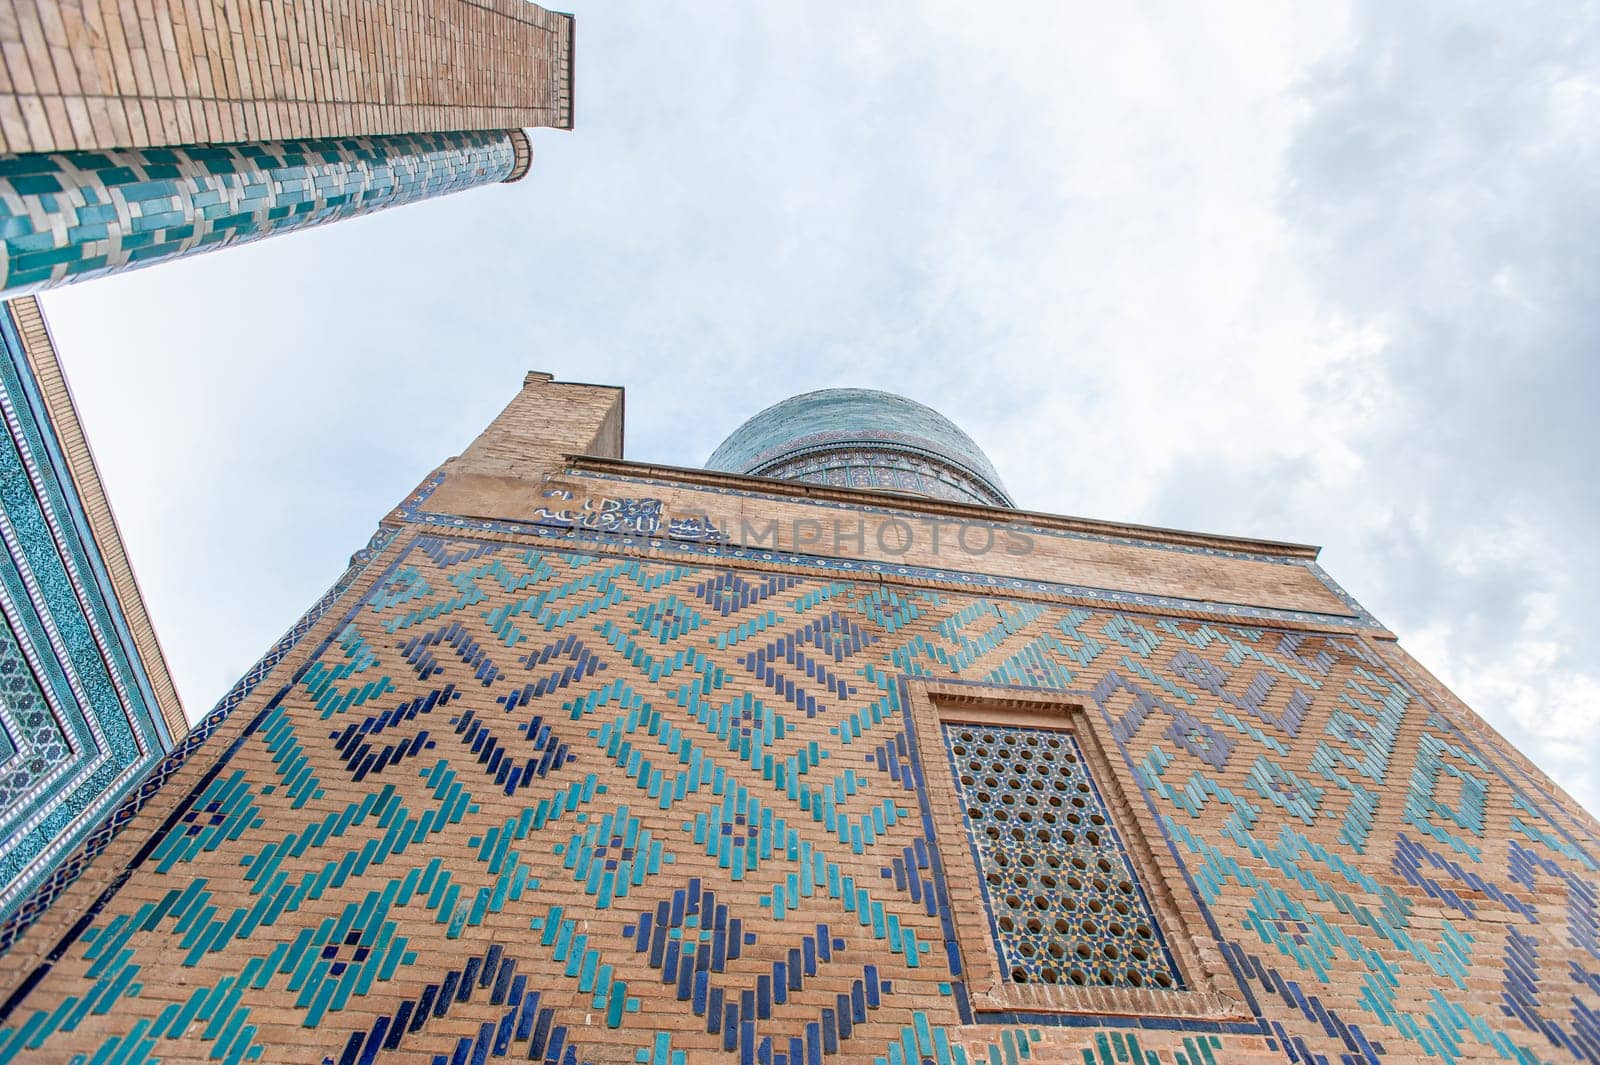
1065, 905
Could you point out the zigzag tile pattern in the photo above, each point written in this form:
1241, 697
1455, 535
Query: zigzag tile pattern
569, 808
80, 724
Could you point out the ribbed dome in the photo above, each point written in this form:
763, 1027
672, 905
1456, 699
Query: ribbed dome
861, 438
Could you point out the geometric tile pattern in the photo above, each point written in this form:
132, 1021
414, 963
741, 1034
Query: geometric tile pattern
69, 869
79, 720
724, 851
1064, 901
71, 215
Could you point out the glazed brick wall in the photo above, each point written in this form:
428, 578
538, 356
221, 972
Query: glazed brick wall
1344, 923
1356, 869
84, 74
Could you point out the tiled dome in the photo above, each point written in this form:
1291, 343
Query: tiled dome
862, 438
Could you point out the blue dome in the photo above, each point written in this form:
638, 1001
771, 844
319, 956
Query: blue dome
861, 438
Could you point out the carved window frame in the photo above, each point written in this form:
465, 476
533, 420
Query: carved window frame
1209, 990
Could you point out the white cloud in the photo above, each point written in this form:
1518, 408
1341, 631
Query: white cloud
1311, 273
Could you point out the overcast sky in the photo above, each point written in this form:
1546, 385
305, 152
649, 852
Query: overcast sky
1314, 272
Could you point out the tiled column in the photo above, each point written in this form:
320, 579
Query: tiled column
65, 216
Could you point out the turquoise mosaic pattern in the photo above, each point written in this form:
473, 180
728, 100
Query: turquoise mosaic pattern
860, 438
69, 869
608, 748
1065, 904
72, 215
79, 718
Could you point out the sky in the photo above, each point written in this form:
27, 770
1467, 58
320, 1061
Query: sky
1323, 273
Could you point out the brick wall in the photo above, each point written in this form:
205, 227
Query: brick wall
545, 422
79, 74
530, 763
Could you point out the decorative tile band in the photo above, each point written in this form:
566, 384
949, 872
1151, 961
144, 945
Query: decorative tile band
636, 516
81, 721
71, 215
878, 465
53, 404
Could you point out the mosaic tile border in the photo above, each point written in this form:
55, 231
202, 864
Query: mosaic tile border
580, 469
411, 510
33, 727
62, 607
91, 505
73, 866
885, 467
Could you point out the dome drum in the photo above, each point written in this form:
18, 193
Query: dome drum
860, 438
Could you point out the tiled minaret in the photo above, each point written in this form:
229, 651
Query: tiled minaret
132, 133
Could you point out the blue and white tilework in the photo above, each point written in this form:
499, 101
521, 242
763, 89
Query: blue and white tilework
631, 516
79, 717
72, 215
